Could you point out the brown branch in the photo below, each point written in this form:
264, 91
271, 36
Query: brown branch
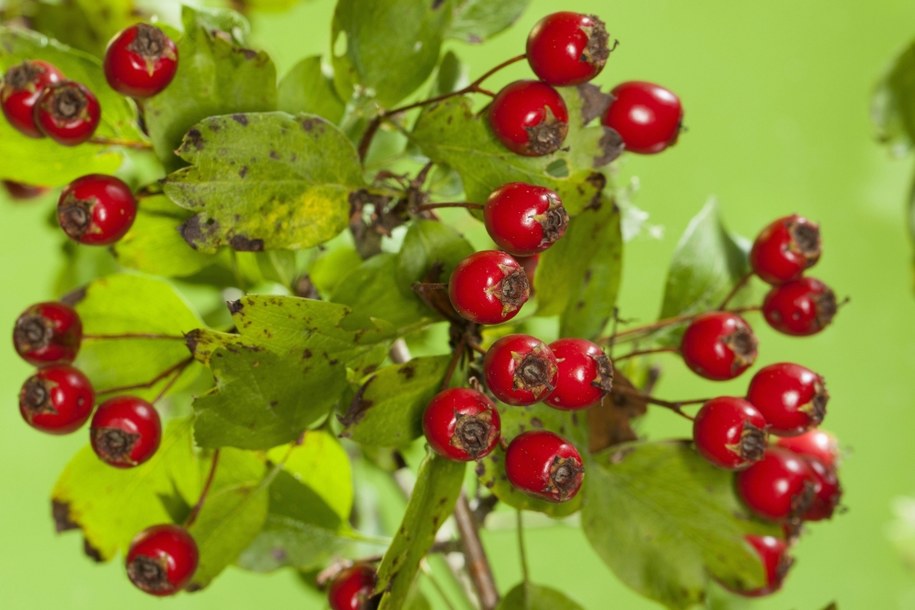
644, 352
180, 366
676, 407
477, 562
195, 511
735, 289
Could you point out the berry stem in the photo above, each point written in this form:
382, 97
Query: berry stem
171, 382
195, 511
477, 562
735, 290
153, 189
644, 352
179, 367
676, 407
647, 328
116, 336
135, 144
459, 350
450, 204
522, 551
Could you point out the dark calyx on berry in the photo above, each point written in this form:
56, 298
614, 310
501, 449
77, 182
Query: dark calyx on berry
554, 222
75, 216
36, 396
33, 332
150, 574
604, 379
743, 343
565, 478
24, 75
805, 239
150, 42
114, 445
547, 136
535, 373
513, 291
474, 433
67, 103
597, 50
753, 443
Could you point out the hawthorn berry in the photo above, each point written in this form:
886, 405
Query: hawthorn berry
718, 345
162, 559
461, 424
826, 491
791, 397
57, 399
585, 374
125, 431
22, 86
785, 248
729, 432
524, 219
67, 112
814, 444
96, 209
779, 487
529, 118
801, 307
141, 61
520, 369
773, 552
567, 48
48, 333
19, 191
488, 287
647, 116
544, 465
352, 588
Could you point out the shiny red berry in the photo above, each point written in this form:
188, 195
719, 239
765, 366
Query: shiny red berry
488, 287
647, 116
461, 424
567, 48
520, 369
22, 86
773, 552
801, 307
718, 345
545, 465
729, 432
162, 559
814, 444
68, 113
529, 118
125, 431
779, 487
96, 210
19, 191
785, 248
791, 397
48, 333
827, 491
141, 61
585, 374
57, 399
524, 219
352, 588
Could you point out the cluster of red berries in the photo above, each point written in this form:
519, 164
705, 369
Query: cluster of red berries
529, 117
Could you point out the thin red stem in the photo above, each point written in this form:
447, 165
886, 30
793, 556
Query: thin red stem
676, 407
735, 290
180, 366
644, 352
195, 511
459, 350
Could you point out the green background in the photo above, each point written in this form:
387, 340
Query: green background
776, 97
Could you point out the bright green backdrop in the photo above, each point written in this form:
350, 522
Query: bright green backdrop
776, 98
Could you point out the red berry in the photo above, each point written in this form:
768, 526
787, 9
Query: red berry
520, 369
96, 210
826, 491
545, 465
461, 424
791, 398
48, 333
352, 588
529, 118
779, 487
524, 219
585, 374
141, 61
19, 191
729, 432
488, 287
67, 112
804, 306
57, 399
125, 431
162, 559
773, 552
814, 444
568, 48
718, 345
22, 86
647, 116
785, 248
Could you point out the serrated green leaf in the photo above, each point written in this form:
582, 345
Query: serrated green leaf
893, 103
387, 410
306, 88
84, 24
112, 505
478, 20
438, 485
371, 37
528, 596
682, 522
582, 272
215, 76
264, 181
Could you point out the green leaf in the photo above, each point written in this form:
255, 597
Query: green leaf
438, 485
215, 76
85, 24
450, 76
528, 596
682, 522
582, 272
134, 304
387, 410
893, 103
478, 20
264, 181
306, 88
112, 505
371, 37
428, 246
321, 464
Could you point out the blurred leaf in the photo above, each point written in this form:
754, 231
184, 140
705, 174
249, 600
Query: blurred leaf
528, 596
87, 25
227, 23
276, 6
280, 266
321, 464
682, 522
387, 411
478, 20
438, 485
429, 245
450, 76
371, 37
306, 88
893, 103
215, 76
112, 505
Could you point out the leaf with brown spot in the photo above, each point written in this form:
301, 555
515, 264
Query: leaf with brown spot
610, 422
